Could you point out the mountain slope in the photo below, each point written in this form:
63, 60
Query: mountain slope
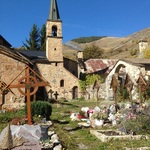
115, 47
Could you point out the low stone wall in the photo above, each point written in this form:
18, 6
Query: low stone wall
100, 134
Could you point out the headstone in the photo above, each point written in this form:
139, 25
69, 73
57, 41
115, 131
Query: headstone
43, 120
44, 132
7, 141
56, 95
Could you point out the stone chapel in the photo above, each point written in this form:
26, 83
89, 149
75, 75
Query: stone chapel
60, 73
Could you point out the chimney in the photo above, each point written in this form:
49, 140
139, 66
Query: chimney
143, 44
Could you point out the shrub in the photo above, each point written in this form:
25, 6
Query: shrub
123, 94
133, 52
41, 108
148, 90
146, 52
120, 50
92, 51
5, 117
81, 99
140, 125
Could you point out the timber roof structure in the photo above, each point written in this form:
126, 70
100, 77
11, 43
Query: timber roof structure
14, 54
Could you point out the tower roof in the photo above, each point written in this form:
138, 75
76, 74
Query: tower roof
54, 13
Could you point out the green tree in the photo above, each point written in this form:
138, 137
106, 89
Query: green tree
92, 51
43, 38
33, 42
89, 80
146, 52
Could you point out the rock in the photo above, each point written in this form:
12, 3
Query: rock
74, 117
99, 122
50, 133
140, 148
58, 147
54, 138
82, 146
84, 124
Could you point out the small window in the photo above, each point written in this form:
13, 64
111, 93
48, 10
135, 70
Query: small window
54, 31
62, 83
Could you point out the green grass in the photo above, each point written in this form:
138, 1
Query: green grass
5, 118
72, 139
77, 136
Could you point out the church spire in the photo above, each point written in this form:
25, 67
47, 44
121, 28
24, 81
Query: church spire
54, 13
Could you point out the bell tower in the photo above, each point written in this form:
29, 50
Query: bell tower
54, 35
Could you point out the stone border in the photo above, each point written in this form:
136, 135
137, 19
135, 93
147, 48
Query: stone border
105, 138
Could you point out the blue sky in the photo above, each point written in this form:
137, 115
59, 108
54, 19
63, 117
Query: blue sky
81, 18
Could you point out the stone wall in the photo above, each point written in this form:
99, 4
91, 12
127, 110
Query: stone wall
54, 49
54, 74
9, 69
72, 66
132, 70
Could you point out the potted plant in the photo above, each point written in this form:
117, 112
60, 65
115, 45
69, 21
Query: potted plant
99, 118
81, 115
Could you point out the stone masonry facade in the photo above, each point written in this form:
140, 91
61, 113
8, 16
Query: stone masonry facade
133, 71
9, 69
54, 75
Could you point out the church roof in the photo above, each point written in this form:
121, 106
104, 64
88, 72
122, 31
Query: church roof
54, 13
4, 42
34, 56
14, 54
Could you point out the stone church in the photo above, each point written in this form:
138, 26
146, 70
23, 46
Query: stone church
51, 66
60, 74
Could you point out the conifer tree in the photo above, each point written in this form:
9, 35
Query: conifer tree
33, 42
43, 38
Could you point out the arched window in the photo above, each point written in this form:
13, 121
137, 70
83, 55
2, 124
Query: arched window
62, 83
54, 30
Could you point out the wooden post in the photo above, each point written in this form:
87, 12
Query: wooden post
28, 82
129, 87
28, 98
114, 85
142, 85
97, 96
